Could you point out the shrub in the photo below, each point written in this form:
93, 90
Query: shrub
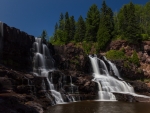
145, 37
87, 47
115, 55
126, 64
134, 59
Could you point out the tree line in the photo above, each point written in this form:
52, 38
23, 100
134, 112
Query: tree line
131, 23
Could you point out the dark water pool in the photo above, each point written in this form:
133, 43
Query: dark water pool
100, 107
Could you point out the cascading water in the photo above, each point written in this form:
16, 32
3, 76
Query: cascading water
1, 40
43, 65
113, 68
107, 83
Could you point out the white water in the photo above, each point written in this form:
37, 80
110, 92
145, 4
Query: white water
114, 68
106, 83
43, 64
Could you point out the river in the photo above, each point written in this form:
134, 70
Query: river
100, 107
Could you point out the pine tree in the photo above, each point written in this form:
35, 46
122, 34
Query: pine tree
55, 32
146, 21
128, 24
103, 37
67, 28
106, 26
80, 30
44, 35
130, 27
92, 23
110, 19
72, 28
135, 59
116, 25
61, 22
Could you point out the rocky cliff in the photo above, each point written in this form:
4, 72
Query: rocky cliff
73, 61
15, 48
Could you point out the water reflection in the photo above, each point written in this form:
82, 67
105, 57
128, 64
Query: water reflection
100, 107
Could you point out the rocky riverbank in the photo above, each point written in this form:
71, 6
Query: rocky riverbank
23, 92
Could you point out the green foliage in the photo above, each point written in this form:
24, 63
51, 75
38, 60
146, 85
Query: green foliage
145, 37
67, 28
87, 47
96, 51
61, 38
55, 32
128, 24
146, 80
131, 23
80, 30
61, 22
103, 37
134, 59
127, 64
44, 35
115, 55
72, 28
106, 27
146, 22
92, 23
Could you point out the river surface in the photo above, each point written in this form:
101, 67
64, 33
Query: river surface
100, 107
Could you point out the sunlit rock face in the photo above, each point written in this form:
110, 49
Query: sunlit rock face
15, 47
143, 52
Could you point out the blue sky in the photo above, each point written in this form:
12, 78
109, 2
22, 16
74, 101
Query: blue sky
34, 16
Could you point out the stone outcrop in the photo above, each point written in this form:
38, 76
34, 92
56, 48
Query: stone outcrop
17, 92
16, 103
142, 49
131, 98
70, 57
72, 61
16, 50
28, 91
141, 87
131, 72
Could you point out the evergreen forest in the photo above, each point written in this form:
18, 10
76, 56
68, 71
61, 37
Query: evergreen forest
102, 25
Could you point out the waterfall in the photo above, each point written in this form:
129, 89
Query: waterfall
1, 40
43, 65
114, 69
107, 83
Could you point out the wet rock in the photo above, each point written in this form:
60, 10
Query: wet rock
130, 98
140, 87
86, 85
5, 84
36, 106
12, 103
